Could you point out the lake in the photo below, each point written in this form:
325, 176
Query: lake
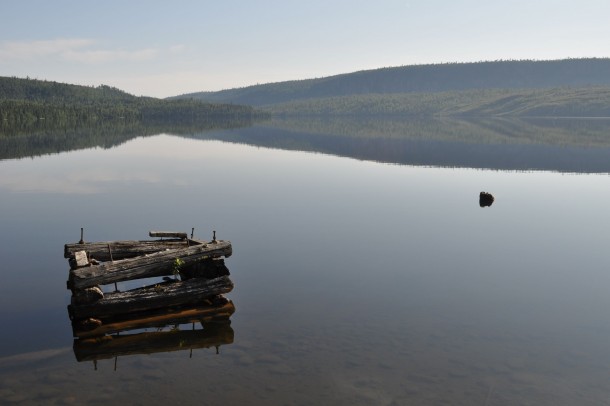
365, 271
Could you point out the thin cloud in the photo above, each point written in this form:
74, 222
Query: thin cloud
103, 56
11, 50
71, 50
177, 49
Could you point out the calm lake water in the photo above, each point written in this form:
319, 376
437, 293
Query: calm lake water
357, 282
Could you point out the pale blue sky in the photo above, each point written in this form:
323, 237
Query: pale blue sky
167, 48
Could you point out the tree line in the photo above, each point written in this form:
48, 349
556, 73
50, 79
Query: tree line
554, 102
24, 101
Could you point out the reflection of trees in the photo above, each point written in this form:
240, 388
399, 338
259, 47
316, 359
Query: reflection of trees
514, 144
580, 145
45, 138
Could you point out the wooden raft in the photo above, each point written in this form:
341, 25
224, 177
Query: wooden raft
197, 296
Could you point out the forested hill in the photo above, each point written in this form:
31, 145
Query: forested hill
34, 90
424, 79
27, 100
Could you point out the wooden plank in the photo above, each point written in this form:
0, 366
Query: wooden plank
159, 296
157, 318
168, 234
124, 249
156, 264
152, 342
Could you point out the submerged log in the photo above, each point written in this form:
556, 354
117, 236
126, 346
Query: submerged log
158, 296
152, 342
158, 264
204, 313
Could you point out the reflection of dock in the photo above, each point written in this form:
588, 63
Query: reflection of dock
111, 346
194, 279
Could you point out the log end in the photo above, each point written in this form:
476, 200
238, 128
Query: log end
87, 296
78, 260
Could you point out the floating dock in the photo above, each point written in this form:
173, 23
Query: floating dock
189, 278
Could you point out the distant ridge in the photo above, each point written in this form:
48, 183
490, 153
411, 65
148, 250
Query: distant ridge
521, 74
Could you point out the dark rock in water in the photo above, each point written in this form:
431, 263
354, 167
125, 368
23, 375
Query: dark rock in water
485, 199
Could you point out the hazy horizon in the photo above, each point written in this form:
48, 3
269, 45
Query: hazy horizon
308, 78
161, 50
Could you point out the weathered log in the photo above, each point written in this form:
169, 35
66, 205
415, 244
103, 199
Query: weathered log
124, 249
152, 342
156, 318
157, 264
168, 234
158, 296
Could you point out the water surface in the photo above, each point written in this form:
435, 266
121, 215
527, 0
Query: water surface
356, 282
